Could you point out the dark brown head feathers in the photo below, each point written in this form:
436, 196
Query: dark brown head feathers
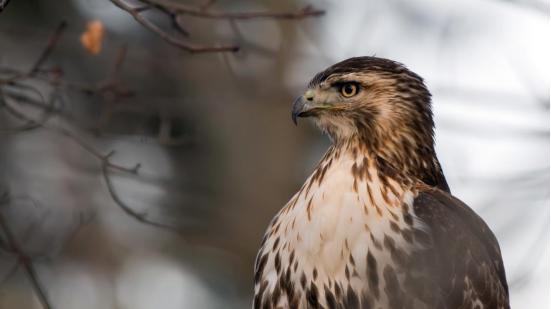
363, 64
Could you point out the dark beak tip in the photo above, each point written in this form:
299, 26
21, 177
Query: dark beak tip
297, 109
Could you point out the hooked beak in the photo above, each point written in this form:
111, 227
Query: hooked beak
297, 108
302, 108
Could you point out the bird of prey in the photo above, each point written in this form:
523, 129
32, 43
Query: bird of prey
375, 225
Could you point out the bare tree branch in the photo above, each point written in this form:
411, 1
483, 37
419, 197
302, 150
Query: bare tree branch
52, 42
139, 216
110, 85
44, 55
205, 12
106, 165
104, 159
26, 262
188, 46
18, 85
47, 107
176, 10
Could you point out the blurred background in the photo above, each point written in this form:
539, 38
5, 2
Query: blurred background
218, 153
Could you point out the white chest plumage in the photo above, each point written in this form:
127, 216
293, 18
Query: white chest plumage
337, 237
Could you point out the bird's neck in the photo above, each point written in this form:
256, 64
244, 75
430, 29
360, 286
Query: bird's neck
401, 161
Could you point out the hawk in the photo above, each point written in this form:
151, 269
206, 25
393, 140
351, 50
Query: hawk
375, 225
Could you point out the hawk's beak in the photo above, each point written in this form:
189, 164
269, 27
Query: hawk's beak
302, 107
297, 109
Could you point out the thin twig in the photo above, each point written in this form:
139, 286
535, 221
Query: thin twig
111, 82
139, 216
204, 12
52, 42
106, 164
109, 88
26, 262
104, 159
16, 86
27, 126
188, 46
18, 75
176, 21
121, 56
47, 108
12, 244
176, 10
178, 24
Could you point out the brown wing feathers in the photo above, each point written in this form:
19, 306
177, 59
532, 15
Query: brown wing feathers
470, 267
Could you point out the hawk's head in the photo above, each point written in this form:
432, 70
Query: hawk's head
368, 97
376, 101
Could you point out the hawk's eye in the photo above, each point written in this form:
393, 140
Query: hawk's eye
349, 90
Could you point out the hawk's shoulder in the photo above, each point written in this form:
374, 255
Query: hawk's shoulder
464, 253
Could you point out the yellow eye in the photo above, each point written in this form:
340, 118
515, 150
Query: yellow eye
348, 90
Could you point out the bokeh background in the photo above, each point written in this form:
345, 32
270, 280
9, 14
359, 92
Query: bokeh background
218, 152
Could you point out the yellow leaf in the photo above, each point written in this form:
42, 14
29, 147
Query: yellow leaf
93, 36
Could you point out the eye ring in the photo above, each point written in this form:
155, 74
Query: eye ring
348, 90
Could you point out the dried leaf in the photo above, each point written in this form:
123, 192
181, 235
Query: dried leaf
92, 38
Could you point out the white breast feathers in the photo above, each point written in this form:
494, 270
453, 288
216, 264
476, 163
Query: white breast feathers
338, 237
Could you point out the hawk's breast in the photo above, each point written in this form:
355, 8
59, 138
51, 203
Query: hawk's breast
340, 239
